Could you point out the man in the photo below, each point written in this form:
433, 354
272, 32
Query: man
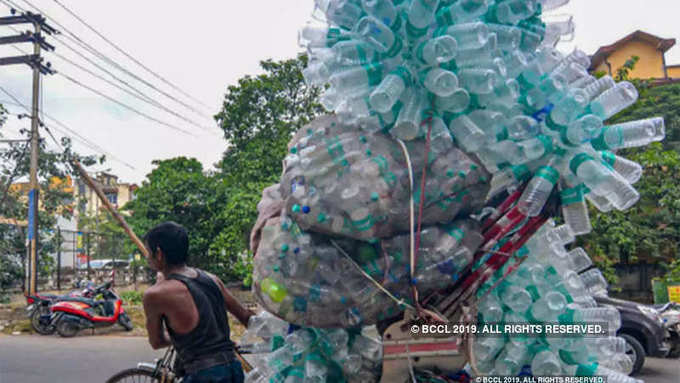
187, 308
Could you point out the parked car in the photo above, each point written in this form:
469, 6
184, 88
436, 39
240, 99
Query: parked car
643, 329
105, 264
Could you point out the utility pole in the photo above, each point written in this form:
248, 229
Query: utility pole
35, 62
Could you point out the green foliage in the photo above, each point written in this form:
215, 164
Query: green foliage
259, 116
132, 297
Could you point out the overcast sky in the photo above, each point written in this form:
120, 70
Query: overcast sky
203, 47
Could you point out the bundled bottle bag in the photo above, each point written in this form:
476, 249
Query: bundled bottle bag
342, 181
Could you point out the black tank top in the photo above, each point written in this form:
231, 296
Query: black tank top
211, 334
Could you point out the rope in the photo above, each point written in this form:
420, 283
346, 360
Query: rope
380, 287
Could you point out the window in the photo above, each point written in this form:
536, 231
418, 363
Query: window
113, 198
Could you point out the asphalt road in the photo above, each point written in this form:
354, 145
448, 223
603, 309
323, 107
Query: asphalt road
92, 359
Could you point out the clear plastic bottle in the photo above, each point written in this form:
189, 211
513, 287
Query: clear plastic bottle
600, 86
457, 102
382, 10
467, 134
548, 307
379, 35
631, 134
440, 82
594, 282
583, 130
469, 35
486, 348
488, 120
537, 192
344, 13
577, 259
408, 123
461, 11
631, 171
517, 299
513, 11
522, 128
594, 174
421, 13
511, 360
546, 363
478, 81
575, 210
437, 50
383, 98
614, 100
569, 107
353, 52
509, 37
319, 36
549, 5
357, 77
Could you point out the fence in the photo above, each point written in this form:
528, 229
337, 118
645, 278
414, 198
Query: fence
635, 281
91, 256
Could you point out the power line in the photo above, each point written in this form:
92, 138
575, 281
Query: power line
126, 106
73, 37
117, 101
137, 93
141, 97
127, 54
80, 138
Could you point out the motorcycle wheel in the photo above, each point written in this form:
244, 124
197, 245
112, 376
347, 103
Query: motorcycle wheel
137, 375
40, 328
125, 321
67, 328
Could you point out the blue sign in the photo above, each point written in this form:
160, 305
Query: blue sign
31, 211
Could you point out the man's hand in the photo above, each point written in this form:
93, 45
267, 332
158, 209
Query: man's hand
159, 277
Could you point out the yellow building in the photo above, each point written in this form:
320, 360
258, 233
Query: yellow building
649, 48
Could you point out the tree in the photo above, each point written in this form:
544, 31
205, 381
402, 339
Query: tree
179, 190
258, 117
54, 199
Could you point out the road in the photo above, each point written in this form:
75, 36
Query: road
92, 359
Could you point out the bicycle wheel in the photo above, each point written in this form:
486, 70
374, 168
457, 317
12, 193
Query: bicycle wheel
136, 375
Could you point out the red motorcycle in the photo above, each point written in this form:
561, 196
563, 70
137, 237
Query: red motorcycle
38, 307
69, 317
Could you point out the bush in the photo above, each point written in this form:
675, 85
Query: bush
132, 298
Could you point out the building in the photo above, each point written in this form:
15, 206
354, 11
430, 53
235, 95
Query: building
649, 48
118, 193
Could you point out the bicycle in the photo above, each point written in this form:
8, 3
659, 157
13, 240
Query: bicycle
163, 369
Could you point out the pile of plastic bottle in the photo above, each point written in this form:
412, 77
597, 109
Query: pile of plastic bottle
472, 98
304, 278
309, 355
488, 71
553, 285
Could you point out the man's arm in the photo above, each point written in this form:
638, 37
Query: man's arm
232, 304
158, 337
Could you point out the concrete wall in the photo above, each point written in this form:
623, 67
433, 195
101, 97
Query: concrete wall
673, 72
651, 64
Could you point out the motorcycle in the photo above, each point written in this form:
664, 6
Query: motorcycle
38, 309
69, 317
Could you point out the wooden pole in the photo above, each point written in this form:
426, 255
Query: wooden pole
121, 221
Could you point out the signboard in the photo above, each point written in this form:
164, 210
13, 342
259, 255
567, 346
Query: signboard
79, 243
674, 293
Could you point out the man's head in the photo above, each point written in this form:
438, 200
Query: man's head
168, 245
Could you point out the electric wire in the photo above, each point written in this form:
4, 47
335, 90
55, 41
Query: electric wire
65, 128
118, 102
73, 37
137, 94
119, 49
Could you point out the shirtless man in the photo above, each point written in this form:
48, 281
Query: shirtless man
187, 308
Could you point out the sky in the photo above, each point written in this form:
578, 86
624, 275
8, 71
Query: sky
204, 46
